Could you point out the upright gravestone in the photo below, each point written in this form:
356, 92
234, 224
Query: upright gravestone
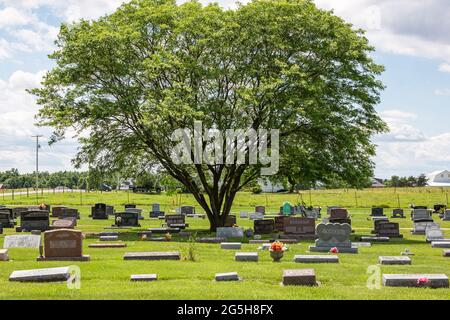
17, 211
229, 232
331, 208
333, 235
156, 211
135, 210
185, 210
299, 228
421, 227
260, 209
99, 212
127, 219
10, 211
389, 229
266, 226
446, 216
65, 223
279, 223
231, 221
287, 209
57, 211
70, 213
176, 221
312, 213
130, 206
398, 213
34, 220
339, 215
6, 219
377, 212
63, 245
22, 241
421, 215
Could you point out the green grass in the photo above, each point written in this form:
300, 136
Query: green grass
106, 276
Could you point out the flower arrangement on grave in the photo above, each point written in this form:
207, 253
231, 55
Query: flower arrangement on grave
334, 250
277, 249
143, 237
422, 282
168, 236
118, 221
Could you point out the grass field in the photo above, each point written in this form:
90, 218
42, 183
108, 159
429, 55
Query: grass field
106, 276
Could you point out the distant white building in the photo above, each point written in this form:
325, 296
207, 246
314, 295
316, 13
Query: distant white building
377, 183
439, 179
267, 186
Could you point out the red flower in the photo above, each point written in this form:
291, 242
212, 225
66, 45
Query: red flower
423, 281
334, 250
277, 246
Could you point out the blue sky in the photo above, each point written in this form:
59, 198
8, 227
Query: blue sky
411, 38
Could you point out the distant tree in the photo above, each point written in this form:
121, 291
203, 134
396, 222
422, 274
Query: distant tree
422, 180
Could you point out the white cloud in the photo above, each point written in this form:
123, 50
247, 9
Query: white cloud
442, 92
400, 126
405, 27
12, 17
445, 67
406, 150
17, 111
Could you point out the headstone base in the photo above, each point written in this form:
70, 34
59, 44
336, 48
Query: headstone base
82, 258
107, 245
327, 249
152, 256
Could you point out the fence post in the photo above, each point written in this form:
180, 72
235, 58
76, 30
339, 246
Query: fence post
12, 194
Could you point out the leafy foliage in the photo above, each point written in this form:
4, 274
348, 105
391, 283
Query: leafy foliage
126, 81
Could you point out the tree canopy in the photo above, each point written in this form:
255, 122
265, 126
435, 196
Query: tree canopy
128, 80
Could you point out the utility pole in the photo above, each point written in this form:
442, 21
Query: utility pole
37, 160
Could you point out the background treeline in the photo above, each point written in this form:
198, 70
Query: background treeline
12, 179
92, 180
399, 182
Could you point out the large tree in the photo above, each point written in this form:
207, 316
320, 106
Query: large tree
127, 81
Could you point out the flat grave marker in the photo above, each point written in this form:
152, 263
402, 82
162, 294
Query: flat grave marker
246, 256
411, 280
394, 260
144, 277
231, 245
41, 275
440, 244
229, 276
316, 259
152, 256
299, 277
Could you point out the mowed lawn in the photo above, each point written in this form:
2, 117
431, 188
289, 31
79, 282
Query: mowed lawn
107, 275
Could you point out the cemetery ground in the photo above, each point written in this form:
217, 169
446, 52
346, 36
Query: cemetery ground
107, 275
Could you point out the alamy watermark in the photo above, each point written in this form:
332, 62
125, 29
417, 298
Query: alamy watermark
74, 281
374, 279
211, 147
